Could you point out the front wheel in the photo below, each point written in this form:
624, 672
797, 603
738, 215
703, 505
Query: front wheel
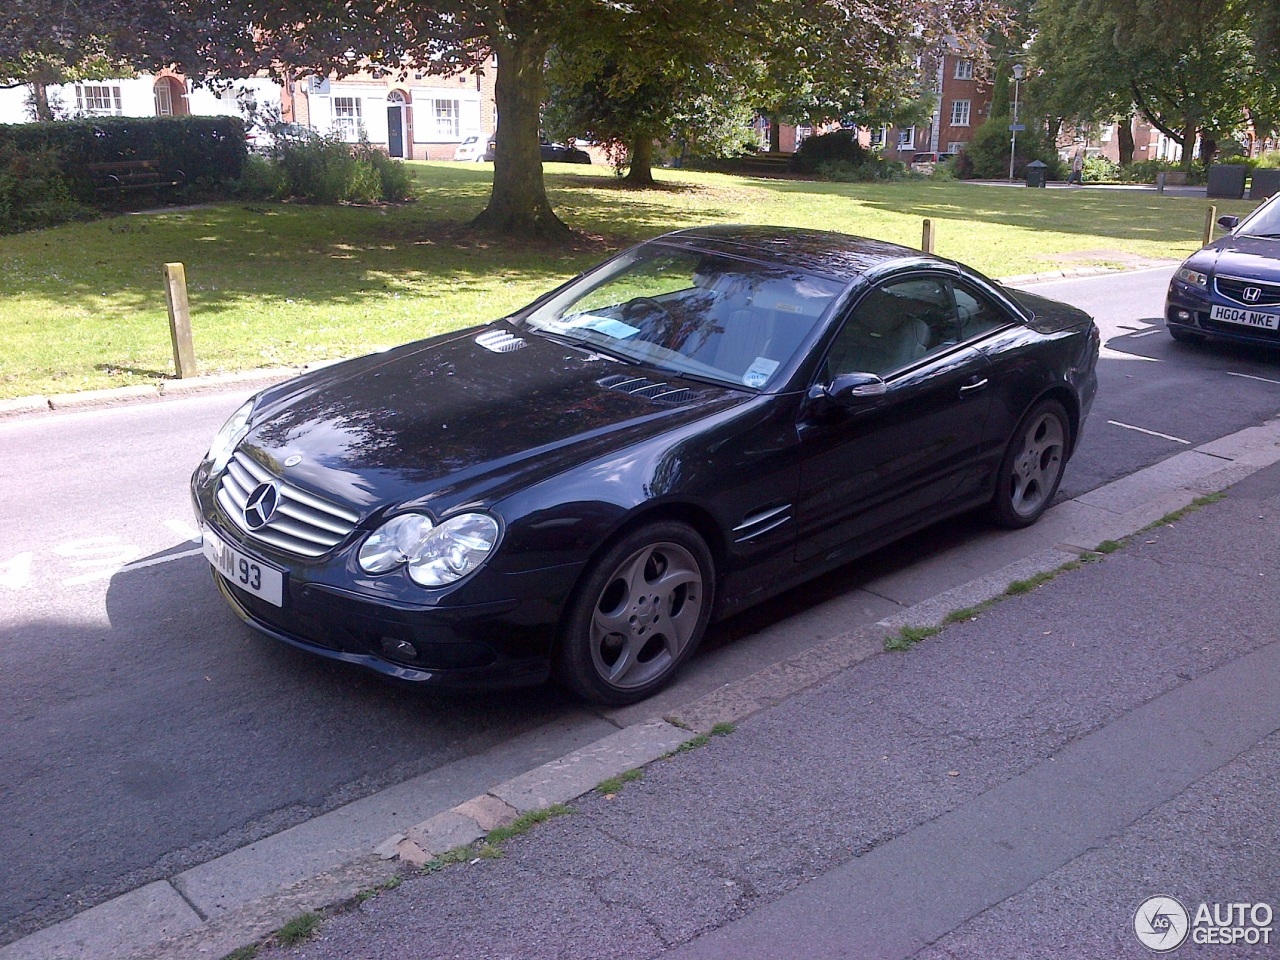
1032, 466
637, 616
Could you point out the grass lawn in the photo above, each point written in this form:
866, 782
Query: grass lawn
82, 306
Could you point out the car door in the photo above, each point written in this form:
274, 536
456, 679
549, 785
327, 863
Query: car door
874, 467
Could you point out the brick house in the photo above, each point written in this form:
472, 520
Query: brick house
963, 104
417, 116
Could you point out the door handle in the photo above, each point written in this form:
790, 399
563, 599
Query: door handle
974, 387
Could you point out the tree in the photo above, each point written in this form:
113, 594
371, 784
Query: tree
43, 43
1192, 71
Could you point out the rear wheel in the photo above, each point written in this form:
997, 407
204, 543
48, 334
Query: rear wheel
1032, 466
637, 616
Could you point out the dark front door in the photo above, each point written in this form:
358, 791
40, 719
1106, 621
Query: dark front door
395, 131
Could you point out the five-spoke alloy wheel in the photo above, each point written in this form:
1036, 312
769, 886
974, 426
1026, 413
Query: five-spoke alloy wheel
637, 615
1032, 466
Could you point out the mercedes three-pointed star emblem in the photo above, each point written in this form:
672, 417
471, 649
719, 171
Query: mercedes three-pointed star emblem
261, 505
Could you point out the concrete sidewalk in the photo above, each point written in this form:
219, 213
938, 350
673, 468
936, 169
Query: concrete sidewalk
1015, 786
854, 777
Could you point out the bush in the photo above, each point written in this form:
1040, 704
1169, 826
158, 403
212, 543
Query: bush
826, 148
988, 151
873, 169
34, 193
209, 149
328, 170
1268, 160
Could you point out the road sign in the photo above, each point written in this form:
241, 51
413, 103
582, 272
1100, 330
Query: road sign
1017, 127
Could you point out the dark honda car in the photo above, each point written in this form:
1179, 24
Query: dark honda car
1230, 290
695, 425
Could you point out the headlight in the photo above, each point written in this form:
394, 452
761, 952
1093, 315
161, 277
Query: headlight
1193, 277
394, 542
435, 555
228, 438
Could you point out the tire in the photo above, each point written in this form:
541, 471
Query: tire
638, 614
1183, 336
1032, 466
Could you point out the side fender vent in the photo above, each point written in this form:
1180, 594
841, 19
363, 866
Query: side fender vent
649, 389
500, 341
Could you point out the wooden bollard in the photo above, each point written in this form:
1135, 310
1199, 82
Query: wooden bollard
184, 354
926, 239
1210, 217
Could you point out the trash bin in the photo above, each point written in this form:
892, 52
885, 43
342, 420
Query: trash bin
1226, 180
1263, 184
1037, 174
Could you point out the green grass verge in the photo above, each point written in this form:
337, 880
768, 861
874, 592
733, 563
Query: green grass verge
82, 305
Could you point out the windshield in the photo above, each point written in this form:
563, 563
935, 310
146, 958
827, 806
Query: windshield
1263, 222
693, 313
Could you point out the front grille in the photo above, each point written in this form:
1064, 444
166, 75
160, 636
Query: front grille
1233, 289
303, 523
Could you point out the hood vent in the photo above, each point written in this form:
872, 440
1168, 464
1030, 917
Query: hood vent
500, 341
649, 389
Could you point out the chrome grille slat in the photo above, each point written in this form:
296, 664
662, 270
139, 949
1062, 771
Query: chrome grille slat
303, 523
315, 518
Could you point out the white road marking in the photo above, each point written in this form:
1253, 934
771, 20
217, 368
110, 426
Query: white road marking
16, 573
107, 574
1245, 376
1150, 433
1145, 333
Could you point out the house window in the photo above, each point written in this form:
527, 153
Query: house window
877, 136
448, 119
347, 119
964, 69
955, 146
98, 99
907, 138
960, 113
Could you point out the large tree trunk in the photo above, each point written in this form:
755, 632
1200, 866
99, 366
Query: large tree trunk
40, 93
1124, 140
640, 166
518, 203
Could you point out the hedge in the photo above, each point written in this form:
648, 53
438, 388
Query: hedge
210, 149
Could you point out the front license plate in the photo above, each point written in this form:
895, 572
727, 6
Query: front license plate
250, 575
1247, 318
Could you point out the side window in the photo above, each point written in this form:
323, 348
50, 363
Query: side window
976, 314
893, 326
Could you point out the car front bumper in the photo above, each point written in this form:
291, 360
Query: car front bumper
1187, 308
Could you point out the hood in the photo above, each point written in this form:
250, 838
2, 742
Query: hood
1257, 257
466, 417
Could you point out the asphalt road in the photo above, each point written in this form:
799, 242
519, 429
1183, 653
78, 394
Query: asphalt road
147, 730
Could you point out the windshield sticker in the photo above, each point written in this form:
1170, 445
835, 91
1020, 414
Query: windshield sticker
606, 325
759, 372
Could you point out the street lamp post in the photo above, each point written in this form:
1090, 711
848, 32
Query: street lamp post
1018, 72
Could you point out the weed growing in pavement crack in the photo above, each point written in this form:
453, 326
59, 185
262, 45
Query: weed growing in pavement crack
525, 822
298, 929
908, 637
702, 739
615, 784
1192, 507
243, 953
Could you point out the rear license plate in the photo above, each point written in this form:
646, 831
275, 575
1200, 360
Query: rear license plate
250, 575
1246, 318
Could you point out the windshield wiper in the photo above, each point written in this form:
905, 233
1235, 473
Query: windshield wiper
589, 346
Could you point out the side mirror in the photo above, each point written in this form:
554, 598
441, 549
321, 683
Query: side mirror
1228, 222
850, 390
